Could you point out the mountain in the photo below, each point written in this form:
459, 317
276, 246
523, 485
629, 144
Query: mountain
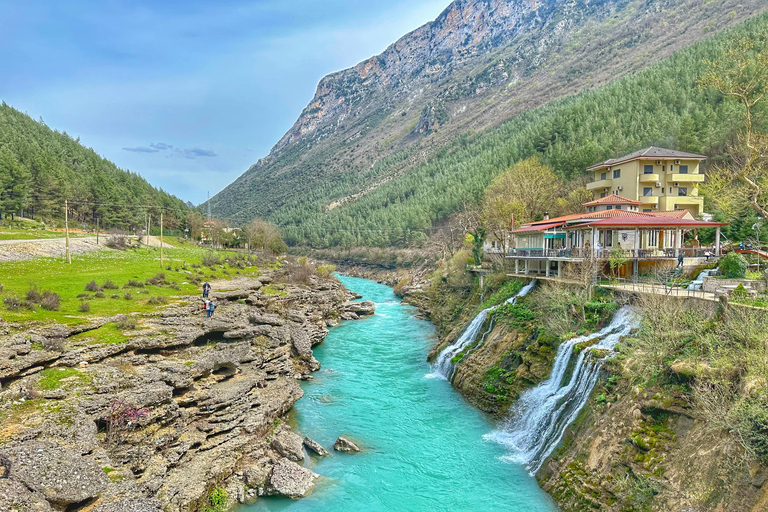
40, 167
338, 176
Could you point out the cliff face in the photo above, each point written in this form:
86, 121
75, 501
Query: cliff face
181, 406
480, 63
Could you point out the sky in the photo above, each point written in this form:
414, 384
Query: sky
187, 93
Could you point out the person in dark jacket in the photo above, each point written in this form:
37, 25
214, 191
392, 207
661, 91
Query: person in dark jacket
206, 289
680, 261
211, 308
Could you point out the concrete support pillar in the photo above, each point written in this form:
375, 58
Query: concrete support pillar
637, 241
517, 266
559, 269
546, 267
677, 242
526, 266
717, 241
593, 241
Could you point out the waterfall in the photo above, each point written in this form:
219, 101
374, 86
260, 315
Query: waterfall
444, 367
697, 283
538, 420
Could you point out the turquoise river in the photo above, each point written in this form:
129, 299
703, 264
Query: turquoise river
423, 443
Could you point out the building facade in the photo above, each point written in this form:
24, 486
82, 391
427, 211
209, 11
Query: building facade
658, 179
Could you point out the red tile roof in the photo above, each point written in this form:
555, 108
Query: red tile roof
612, 199
654, 222
530, 228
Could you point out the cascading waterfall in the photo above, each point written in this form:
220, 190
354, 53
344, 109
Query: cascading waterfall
539, 418
444, 367
697, 283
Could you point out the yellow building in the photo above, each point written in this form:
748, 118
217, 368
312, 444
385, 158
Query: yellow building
661, 179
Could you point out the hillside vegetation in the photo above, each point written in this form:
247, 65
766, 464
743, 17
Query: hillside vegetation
374, 190
40, 167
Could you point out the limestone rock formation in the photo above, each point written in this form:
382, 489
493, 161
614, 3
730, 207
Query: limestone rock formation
151, 423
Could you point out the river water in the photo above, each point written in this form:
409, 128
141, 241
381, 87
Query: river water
423, 443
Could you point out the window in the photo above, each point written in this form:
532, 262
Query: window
648, 169
609, 207
602, 195
618, 207
603, 176
671, 168
647, 191
683, 169
653, 238
682, 191
647, 210
617, 173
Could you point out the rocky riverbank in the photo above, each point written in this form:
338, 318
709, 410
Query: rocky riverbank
170, 411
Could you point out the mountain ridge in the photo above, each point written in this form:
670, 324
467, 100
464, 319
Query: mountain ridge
363, 131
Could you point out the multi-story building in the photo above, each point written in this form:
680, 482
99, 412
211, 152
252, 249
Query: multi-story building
660, 179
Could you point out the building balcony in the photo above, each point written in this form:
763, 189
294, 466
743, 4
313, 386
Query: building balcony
649, 178
599, 184
649, 200
687, 178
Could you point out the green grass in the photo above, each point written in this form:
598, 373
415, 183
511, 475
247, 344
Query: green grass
51, 377
108, 333
69, 281
36, 234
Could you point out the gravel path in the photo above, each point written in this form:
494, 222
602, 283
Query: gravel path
14, 250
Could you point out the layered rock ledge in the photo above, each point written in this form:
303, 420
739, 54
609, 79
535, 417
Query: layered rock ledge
183, 406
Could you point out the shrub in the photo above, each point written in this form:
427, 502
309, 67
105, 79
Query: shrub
109, 285
128, 296
33, 295
51, 301
115, 296
210, 260
117, 241
14, 303
740, 291
326, 270
1, 287
156, 301
93, 287
132, 283
99, 295
85, 307
734, 266
125, 322
82, 296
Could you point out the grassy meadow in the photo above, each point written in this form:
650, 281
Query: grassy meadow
111, 282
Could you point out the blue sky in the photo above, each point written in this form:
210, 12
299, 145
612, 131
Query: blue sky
187, 93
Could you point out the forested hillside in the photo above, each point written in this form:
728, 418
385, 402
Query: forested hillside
391, 146
40, 167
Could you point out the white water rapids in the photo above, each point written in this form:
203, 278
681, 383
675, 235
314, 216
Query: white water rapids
538, 420
444, 367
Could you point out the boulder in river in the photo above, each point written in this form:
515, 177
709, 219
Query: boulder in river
316, 447
289, 445
290, 480
343, 444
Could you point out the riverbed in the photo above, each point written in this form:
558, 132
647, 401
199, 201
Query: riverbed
423, 446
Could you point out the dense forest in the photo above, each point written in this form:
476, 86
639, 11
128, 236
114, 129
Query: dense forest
662, 105
40, 167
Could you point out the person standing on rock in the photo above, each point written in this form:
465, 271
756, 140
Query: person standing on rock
206, 289
211, 307
205, 307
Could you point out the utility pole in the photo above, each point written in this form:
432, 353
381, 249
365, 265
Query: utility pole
97, 231
149, 226
66, 229
209, 206
161, 239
